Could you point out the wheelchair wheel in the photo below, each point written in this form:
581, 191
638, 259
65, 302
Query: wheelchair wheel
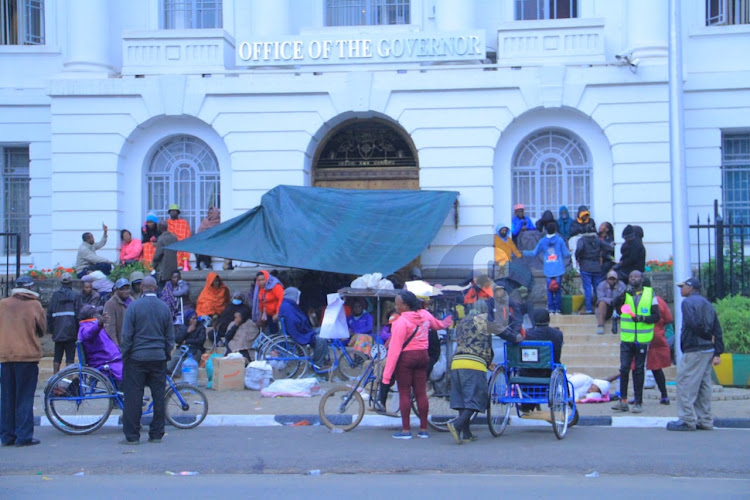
341, 408
573, 420
78, 400
558, 402
287, 358
350, 371
193, 413
498, 413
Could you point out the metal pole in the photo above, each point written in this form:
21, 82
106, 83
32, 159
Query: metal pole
680, 235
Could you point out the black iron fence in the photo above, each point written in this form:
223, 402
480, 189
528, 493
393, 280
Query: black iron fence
12, 246
723, 267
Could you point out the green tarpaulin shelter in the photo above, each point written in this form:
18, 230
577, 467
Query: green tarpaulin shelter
336, 230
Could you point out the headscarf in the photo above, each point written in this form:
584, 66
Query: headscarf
213, 218
292, 294
583, 215
212, 300
271, 281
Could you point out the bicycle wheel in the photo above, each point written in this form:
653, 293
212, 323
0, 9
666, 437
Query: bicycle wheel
341, 408
439, 401
352, 370
287, 358
558, 404
192, 413
498, 413
78, 400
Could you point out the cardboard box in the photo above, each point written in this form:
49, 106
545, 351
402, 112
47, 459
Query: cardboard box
229, 374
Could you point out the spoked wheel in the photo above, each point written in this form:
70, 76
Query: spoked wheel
498, 413
439, 400
192, 412
558, 404
287, 358
352, 370
341, 408
78, 400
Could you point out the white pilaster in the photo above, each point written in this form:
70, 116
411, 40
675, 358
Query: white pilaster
647, 31
454, 15
88, 37
269, 18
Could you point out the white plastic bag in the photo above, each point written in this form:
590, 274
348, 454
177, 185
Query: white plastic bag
438, 370
650, 381
258, 375
334, 322
296, 388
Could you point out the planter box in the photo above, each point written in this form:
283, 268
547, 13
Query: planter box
733, 371
571, 304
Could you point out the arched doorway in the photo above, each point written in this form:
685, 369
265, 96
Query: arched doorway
366, 154
183, 170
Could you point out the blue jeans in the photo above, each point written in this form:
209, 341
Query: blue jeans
589, 281
554, 299
17, 401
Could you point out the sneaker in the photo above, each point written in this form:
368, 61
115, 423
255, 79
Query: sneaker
600, 330
402, 435
454, 433
705, 427
471, 438
621, 406
664, 401
679, 425
126, 442
154, 440
423, 435
637, 409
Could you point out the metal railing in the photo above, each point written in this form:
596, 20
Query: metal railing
6, 282
726, 269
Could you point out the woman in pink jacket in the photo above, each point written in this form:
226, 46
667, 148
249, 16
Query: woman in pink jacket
408, 359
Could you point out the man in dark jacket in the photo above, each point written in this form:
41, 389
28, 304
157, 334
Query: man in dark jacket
62, 321
633, 253
147, 342
583, 222
165, 261
588, 255
22, 322
192, 333
90, 296
702, 344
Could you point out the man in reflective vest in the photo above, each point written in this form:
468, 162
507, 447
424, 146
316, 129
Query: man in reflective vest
639, 311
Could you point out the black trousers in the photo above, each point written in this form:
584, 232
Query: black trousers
628, 352
137, 375
17, 386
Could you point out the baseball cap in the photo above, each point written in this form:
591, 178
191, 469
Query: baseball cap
24, 282
66, 278
612, 274
691, 282
121, 283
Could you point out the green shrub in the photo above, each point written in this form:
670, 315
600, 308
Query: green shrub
124, 271
734, 315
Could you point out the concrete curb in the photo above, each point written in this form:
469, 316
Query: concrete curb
385, 421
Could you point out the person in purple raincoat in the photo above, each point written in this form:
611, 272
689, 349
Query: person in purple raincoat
99, 349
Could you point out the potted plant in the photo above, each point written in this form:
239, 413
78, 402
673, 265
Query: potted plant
572, 298
734, 315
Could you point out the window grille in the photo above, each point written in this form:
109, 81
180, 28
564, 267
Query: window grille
367, 12
736, 177
185, 171
192, 14
21, 22
724, 12
551, 168
15, 168
527, 10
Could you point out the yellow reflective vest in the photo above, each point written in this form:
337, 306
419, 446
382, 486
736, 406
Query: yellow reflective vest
630, 330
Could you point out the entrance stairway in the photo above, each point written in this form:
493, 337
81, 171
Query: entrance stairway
584, 351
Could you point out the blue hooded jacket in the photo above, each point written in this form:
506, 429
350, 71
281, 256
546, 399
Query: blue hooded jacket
555, 252
563, 225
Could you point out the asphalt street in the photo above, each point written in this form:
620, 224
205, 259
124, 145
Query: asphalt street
722, 453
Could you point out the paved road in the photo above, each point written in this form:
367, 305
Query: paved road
419, 486
296, 450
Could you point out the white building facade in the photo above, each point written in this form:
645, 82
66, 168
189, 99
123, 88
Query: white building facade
111, 109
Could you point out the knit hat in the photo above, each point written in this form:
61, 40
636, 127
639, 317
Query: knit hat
87, 311
151, 217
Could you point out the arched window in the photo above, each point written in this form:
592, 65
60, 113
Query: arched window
183, 170
551, 168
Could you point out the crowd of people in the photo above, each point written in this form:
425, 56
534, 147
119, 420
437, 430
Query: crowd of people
131, 326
